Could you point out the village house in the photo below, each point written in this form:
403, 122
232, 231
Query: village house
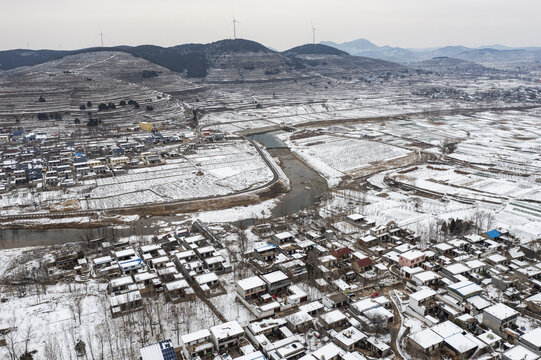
498, 317
197, 344
340, 251
334, 319
119, 285
422, 301
207, 281
425, 341
360, 262
368, 241
227, 335
464, 289
147, 283
250, 287
176, 290
349, 338
276, 281
335, 300
299, 321
411, 258
162, 350
282, 237
355, 218
119, 161
425, 278
266, 252
125, 302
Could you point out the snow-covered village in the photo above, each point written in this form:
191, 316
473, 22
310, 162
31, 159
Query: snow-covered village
229, 201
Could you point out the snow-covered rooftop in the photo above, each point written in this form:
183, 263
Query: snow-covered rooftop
333, 317
274, 277
423, 294
349, 336
500, 311
520, 352
250, 283
412, 254
460, 343
446, 329
194, 336
222, 331
465, 288
426, 338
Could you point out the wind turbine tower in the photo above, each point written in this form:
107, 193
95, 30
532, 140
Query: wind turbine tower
313, 34
101, 37
234, 28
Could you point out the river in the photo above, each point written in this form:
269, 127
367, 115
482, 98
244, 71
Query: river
306, 187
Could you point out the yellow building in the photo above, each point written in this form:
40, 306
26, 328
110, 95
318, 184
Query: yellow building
118, 161
145, 126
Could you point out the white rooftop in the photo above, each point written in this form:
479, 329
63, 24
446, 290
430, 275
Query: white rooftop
206, 278
533, 337
274, 277
349, 336
446, 329
423, 294
426, 338
178, 284
479, 302
355, 217
284, 235
196, 335
457, 268
427, 276
333, 316
500, 311
496, 258
465, 288
298, 318
520, 352
227, 329
412, 254
250, 283
460, 343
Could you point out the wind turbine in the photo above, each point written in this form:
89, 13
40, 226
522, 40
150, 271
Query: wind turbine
313, 33
234, 28
101, 36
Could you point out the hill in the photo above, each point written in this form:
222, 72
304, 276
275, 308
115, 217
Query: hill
315, 49
450, 65
217, 61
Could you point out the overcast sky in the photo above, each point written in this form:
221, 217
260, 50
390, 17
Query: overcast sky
279, 24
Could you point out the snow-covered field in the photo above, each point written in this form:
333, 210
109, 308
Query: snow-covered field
219, 169
335, 156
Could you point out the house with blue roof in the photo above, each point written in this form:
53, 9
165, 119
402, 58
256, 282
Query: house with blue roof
492, 234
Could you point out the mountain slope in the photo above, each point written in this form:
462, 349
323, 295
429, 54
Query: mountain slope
239, 59
315, 49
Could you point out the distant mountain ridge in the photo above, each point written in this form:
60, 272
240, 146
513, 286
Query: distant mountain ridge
196, 60
484, 55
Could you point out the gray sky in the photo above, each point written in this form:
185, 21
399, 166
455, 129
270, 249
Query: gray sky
279, 24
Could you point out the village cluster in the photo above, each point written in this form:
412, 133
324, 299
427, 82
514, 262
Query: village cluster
37, 160
378, 295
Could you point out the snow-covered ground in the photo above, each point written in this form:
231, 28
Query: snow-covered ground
219, 169
335, 156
